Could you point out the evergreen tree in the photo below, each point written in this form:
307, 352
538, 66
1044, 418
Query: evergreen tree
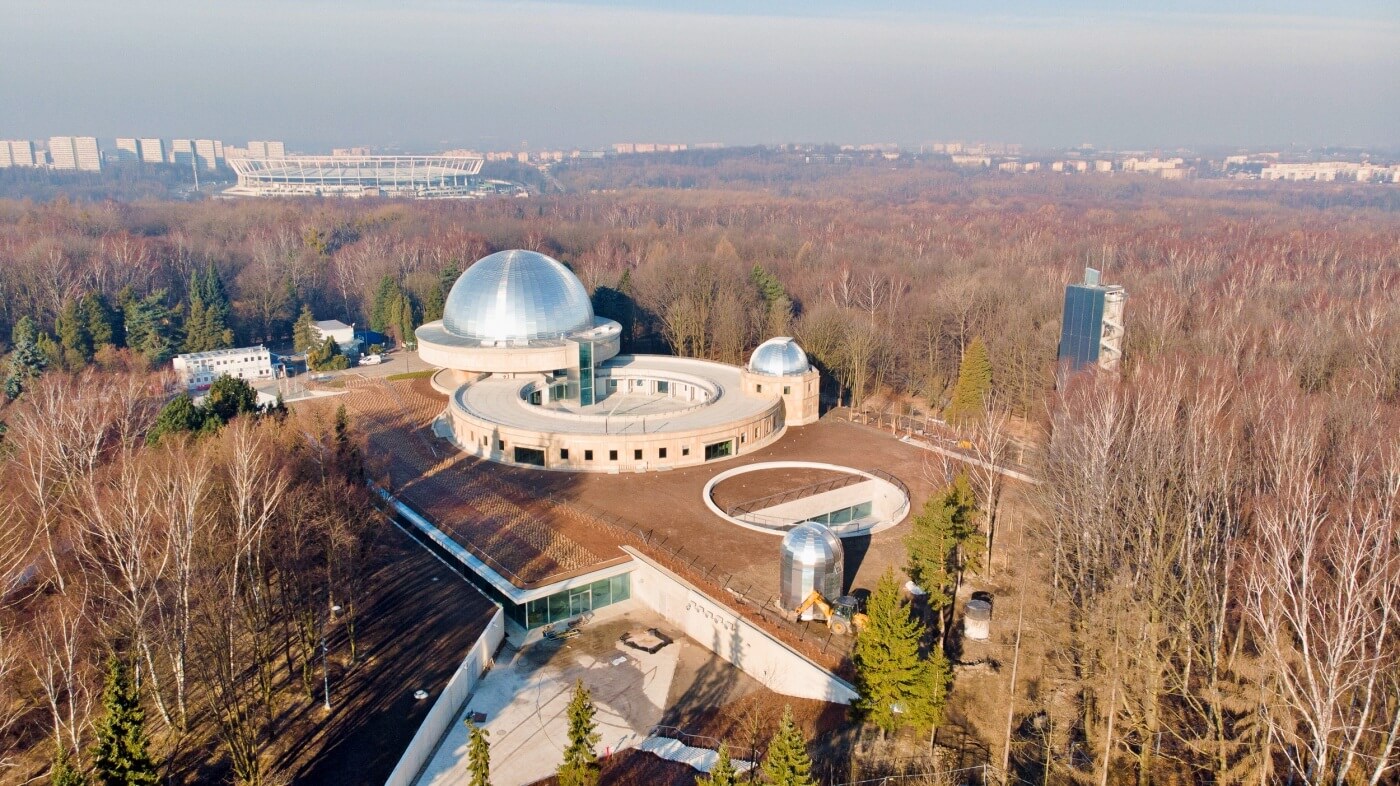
385, 298
179, 416
723, 773
404, 321
230, 397
926, 706
206, 322
64, 771
478, 756
580, 765
26, 361
974, 383
150, 328
119, 756
304, 335
103, 327
49, 349
889, 674
327, 356
73, 335
24, 330
945, 542
787, 762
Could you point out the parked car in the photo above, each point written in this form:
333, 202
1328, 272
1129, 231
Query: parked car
371, 360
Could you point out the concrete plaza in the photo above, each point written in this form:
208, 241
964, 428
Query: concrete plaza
525, 696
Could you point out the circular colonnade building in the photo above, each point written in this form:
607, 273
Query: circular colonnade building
535, 379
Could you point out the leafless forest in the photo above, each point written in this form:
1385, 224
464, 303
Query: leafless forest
1218, 525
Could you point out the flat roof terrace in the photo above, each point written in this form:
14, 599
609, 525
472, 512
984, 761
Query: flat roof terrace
536, 526
499, 401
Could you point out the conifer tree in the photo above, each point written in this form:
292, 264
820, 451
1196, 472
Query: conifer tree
230, 397
206, 323
580, 765
723, 773
119, 756
787, 762
64, 771
974, 383
73, 336
926, 706
150, 327
385, 297
26, 361
945, 542
478, 756
889, 673
102, 322
179, 416
304, 335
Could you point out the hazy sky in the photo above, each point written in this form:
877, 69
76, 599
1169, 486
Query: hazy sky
428, 74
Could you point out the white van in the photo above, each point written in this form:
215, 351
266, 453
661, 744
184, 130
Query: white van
371, 360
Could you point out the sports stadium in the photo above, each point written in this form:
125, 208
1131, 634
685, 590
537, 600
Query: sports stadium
411, 177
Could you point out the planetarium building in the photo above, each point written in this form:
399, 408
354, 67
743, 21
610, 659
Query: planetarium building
535, 379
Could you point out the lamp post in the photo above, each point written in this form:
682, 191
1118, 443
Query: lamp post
325, 667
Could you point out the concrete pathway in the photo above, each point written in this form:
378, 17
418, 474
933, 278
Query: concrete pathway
702, 759
525, 696
970, 459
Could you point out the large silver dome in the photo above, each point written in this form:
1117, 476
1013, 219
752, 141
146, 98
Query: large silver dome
517, 296
779, 357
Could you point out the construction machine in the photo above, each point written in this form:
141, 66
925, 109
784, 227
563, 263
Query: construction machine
841, 617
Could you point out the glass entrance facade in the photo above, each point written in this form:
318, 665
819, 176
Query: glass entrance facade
570, 603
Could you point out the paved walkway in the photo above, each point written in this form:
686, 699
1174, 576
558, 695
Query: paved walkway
524, 699
702, 759
970, 459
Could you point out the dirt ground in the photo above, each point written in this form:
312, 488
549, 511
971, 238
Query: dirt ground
414, 633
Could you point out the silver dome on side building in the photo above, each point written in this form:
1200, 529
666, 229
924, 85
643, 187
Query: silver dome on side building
517, 296
779, 357
812, 559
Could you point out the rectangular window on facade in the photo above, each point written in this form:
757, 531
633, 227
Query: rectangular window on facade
500, 444
760, 388
612, 455
743, 438
588, 455
787, 389
637, 454
685, 451
662, 453
663, 387
564, 454
719, 450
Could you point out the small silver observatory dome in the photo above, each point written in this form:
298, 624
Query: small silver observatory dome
517, 296
812, 559
779, 357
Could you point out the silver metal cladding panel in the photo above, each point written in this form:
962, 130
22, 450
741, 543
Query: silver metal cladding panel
812, 558
517, 296
779, 357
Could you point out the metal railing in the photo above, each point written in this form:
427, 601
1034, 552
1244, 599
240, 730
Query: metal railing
801, 492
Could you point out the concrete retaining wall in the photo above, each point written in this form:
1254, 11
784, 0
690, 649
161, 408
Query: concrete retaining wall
732, 637
458, 690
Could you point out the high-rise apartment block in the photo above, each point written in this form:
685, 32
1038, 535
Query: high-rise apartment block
208, 153
181, 152
1091, 332
127, 149
75, 152
266, 149
152, 151
16, 152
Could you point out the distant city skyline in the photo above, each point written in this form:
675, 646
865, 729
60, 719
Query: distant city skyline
433, 74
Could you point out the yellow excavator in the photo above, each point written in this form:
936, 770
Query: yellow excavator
841, 617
